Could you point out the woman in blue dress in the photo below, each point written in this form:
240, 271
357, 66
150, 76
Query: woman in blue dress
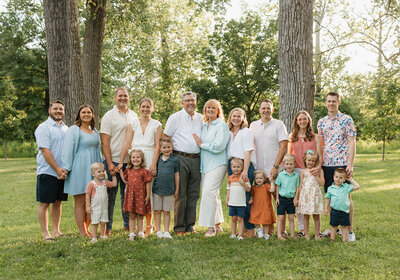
81, 149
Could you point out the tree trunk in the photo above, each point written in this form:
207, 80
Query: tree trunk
92, 51
295, 59
63, 57
5, 146
383, 148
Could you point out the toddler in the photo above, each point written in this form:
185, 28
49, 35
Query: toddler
97, 199
286, 188
337, 199
262, 211
236, 197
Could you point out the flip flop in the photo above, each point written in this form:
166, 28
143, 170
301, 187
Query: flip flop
299, 234
49, 239
61, 235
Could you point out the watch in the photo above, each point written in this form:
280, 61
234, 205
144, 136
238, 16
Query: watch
276, 166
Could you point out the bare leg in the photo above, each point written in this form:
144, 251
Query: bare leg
102, 229
265, 228
132, 222
43, 217
241, 225
317, 226
80, 214
56, 218
140, 222
333, 233
94, 231
149, 226
233, 225
306, 222
157, 219
167, 218
291, 224
351, 214
345, 233
271, 229
281, 224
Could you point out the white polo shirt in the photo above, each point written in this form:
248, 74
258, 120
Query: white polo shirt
267, 137
114, 123
181, 127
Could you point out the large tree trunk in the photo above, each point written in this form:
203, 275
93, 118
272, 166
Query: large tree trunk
92, 51
63, 55
295, 59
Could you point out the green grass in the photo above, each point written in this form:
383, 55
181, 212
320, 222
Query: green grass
375, 255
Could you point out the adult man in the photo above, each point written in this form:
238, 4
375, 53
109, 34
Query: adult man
339, 134
50, 176
271, 139
180, 127
112, 133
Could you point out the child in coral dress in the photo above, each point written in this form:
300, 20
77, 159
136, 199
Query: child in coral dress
262, 211
137, 192
309, 199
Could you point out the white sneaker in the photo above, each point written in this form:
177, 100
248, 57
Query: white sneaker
233, 236
240, 238
159, 234
141, 234
339, 232
327, 232
352, 236
266, 236
94, 240
260, 233
132, 236
167, 235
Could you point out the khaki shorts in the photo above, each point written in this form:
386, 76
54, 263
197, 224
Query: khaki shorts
163, 202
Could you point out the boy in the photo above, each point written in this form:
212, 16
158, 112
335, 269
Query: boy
236, 197
337, 199
165, 187
286, 183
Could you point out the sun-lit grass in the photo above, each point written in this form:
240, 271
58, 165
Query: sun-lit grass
375, 255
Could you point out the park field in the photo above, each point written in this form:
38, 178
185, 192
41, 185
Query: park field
375, 254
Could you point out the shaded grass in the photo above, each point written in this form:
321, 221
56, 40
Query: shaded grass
374, 256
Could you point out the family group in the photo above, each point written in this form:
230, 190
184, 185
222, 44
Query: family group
161, 171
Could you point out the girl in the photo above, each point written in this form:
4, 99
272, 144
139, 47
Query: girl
309, 196
137, 192
262, 211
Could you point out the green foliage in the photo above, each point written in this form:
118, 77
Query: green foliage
19, 149
240, 64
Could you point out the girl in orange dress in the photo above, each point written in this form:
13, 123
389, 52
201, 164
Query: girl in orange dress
262, 211
137, 192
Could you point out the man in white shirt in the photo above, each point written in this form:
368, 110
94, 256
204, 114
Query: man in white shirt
271, 139
112, 133
180, 127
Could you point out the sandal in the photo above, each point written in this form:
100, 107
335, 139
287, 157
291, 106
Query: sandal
149, 229
300, 234
49, 239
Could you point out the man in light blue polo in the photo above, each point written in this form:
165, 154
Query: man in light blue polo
50, 176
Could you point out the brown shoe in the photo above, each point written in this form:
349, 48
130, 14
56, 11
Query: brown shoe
125, 229
248, 234
108, 232
180, 233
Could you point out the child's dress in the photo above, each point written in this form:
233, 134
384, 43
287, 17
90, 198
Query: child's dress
99, 200
310, 199
262, 211
135, 191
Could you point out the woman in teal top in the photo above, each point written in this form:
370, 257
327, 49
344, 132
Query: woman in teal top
213, 141
81, 149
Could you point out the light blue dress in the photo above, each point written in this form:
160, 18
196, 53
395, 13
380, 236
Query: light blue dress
80, 151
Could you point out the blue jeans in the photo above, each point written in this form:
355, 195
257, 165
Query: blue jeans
250, 174
112, 194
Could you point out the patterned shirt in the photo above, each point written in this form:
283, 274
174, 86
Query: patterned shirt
336, 133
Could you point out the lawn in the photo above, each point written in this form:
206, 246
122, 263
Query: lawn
375, 254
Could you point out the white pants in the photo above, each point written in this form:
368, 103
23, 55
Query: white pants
210, 205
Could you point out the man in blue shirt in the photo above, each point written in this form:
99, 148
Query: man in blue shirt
50, 176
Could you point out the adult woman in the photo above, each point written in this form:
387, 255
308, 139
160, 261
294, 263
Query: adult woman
301, 139
81, 149
213, 141
241, 145
144, 134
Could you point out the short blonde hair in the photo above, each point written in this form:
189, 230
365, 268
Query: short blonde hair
237, 160
289, 157
96, 166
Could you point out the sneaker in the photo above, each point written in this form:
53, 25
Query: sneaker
326, 232
339, 232
260, 233
167, 235
266, 236
233, 236
94, 240
141, 234
352, 236
159, 234
240, 238
104, 237
132, 236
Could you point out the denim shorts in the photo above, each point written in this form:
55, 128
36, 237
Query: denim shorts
237, 211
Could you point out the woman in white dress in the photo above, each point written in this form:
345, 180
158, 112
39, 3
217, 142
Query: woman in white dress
144, 134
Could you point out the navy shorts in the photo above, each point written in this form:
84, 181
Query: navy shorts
49, 189
339, 218
237, 211
285, 206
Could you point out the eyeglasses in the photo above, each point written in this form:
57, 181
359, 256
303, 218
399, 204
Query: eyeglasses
189, 100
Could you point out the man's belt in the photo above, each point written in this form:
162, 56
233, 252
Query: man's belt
186, 154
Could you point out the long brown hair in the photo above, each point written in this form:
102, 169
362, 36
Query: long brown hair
78, 120
296, 127
244, 119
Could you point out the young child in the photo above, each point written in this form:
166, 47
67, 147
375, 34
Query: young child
262, 211
309, 196
337, 199
236, 197
286, 188
165, 187
97, 199
137, 192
